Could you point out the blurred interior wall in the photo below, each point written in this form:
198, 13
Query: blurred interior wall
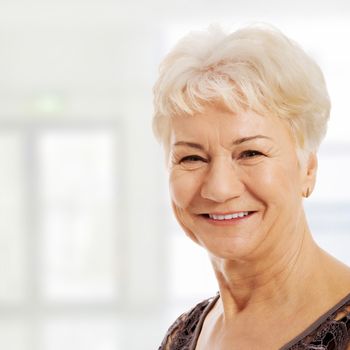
86, 69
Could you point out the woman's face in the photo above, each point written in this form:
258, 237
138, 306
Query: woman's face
235, 182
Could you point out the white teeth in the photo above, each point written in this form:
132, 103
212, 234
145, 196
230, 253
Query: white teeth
228, 216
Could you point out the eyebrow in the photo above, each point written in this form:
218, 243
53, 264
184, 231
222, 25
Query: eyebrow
235, 142
249, 138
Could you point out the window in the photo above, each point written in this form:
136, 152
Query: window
59, 234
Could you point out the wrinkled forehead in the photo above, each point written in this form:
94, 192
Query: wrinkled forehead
225, 126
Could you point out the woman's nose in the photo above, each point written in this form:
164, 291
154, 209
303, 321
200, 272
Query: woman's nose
222, 182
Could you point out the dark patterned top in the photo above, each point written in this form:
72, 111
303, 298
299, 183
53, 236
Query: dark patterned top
330, 332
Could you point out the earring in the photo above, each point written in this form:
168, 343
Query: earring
307, 194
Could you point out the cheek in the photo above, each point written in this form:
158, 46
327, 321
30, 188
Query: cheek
182, 191
279, 183
183, 188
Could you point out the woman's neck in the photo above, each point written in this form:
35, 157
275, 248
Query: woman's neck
284, 277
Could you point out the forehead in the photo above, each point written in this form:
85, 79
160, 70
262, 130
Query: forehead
217, 124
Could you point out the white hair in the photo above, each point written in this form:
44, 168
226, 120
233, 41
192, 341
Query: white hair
256, 68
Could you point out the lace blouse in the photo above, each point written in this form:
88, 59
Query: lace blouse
330, 332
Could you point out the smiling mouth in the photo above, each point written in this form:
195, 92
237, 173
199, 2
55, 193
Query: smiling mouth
226, 217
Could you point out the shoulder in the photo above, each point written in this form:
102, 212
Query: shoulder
330, 331
181, 332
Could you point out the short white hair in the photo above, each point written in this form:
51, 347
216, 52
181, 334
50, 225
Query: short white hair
256, 68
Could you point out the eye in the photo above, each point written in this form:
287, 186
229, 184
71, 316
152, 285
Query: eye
192, 159
250, 154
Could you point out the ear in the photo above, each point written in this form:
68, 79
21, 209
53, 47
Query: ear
309, 171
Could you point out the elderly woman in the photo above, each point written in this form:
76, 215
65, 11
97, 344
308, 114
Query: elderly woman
241, 117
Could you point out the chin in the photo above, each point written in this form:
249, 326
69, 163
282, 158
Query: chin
231, 249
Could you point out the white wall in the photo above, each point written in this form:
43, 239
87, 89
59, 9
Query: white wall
90, 65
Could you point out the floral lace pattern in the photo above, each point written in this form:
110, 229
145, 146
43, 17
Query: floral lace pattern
181, 334
330, 332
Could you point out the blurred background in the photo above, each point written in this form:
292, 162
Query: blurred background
90, 256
